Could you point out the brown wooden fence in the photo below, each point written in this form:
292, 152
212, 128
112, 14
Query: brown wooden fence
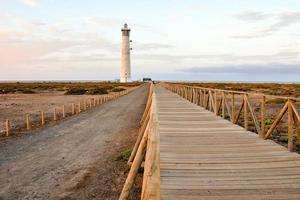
40, 118
146, 147
255, 112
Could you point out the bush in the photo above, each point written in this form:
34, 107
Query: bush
95, 91
117, 89
75, 91
26, 91
275, 101
123, 155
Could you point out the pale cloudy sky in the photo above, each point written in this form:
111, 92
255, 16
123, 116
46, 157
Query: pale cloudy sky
215, 40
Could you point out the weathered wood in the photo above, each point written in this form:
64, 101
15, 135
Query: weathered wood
255, 122
277, 120
63, 111
205, 157
228, 109
223, 104
262, 116
211, 101
236, 119
54, 114
79, 107
246, 122
290, 126
200, 98
84, 105
295, 110
242, 93
215, 103
232, 108
42, 118
90, 103
219, 107
134, 167
296, 120
28, 123
7, 128
140, 136
151, 178
73, 109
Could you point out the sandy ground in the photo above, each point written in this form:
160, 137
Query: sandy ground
14, 106
73, 160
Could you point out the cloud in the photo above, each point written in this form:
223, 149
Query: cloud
282, 20
251, 69
31, 3
252, 16
151, 46
103, 22
286, 56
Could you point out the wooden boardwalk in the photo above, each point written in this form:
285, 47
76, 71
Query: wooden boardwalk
203, 156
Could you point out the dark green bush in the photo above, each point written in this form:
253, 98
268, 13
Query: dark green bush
117, 89
123, 155
275, 101
97, 91
75, 91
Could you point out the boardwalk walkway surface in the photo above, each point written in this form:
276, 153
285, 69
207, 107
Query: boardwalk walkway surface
203, 156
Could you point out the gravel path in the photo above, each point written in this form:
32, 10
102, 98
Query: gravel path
36, 165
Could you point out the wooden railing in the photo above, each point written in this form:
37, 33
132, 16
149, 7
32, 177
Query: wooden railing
252, 106
146, 147
37, 119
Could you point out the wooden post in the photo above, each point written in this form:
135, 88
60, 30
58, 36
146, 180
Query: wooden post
200, 97
216, 102
245, 112
262, 116
84, 105
203, 98
79, 107
290, 126
232, 107
73, 108
28, 125
223, 104
94, 101
90, 102
7, 126
42, 118
209, 100
54, 114
63, 111
197, 96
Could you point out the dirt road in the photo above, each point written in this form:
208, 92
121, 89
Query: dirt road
41, 164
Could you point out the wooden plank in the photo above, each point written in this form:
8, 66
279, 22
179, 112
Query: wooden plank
203, 155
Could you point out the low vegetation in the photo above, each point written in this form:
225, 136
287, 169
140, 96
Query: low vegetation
69, 88
123, 155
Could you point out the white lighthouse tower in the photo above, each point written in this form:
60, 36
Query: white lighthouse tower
125, 60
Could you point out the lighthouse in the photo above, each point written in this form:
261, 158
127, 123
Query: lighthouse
125, 72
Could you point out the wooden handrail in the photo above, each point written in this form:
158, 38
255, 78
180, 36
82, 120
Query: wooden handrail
209, 100
237, 92
146, 146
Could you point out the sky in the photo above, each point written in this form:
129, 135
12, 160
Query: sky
190, 40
